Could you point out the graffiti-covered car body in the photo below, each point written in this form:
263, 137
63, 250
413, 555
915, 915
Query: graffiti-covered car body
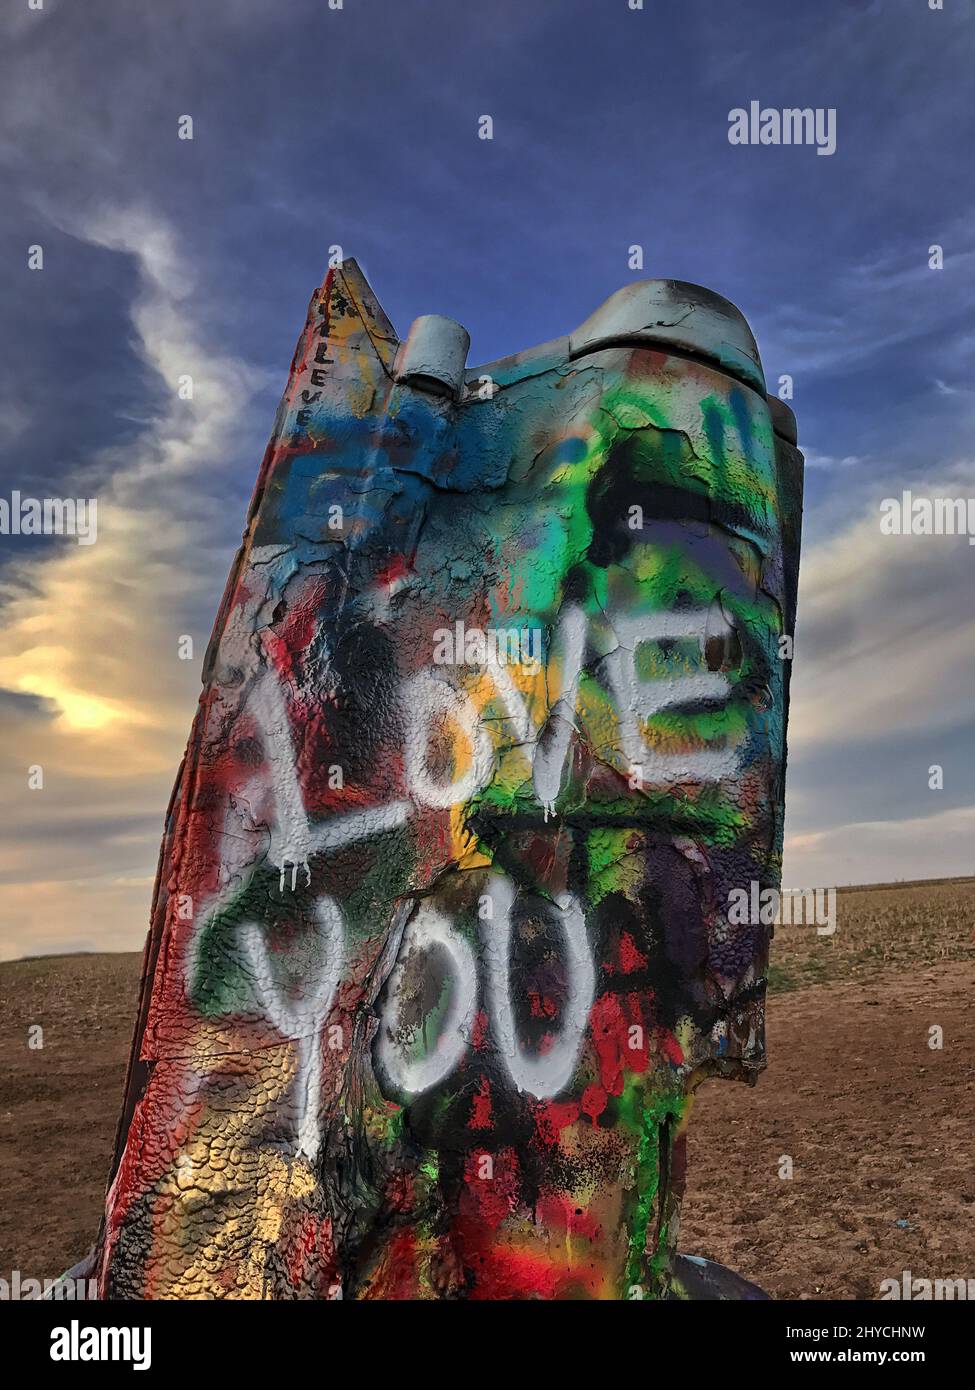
493, 721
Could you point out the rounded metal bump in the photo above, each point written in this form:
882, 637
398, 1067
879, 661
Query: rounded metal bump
434, 355
674, 314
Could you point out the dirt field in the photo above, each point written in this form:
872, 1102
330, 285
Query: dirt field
878, 1125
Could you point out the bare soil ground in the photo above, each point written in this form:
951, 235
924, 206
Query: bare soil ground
878, 1124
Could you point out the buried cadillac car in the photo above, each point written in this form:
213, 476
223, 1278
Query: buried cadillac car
440, 948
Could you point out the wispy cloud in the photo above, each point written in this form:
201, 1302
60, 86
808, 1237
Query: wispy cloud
886, 631
829, 462
888, 301
92, 632
935, 846
882, 681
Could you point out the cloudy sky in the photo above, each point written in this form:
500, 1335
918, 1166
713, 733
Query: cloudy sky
357, 127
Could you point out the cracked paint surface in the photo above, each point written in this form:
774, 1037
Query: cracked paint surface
493, 720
